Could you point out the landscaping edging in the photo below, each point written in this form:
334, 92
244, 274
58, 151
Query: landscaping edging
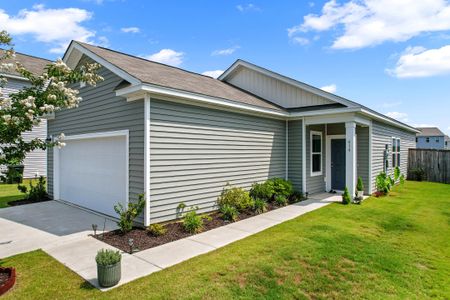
9, 282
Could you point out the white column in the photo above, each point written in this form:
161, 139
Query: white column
350, 157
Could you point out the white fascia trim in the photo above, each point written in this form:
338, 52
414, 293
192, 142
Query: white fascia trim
388, 121
13, 76
324, 112
147, 159
119, 72
285, 79
91, 135
196, 97
311, 133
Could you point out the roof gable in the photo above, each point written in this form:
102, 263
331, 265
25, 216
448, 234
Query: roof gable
430, 131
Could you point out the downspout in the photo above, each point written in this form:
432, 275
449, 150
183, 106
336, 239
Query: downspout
147, 159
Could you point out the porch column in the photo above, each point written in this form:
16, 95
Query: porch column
350, 157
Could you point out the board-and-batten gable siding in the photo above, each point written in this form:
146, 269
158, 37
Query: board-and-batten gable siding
381, 135
100, 111
295, 153
315, 184
362, 150
195, 151
35, 163
274, 90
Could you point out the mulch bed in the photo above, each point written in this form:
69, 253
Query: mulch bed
26, 201
144, 240
7, 279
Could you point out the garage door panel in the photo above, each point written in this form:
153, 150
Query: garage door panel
93, 173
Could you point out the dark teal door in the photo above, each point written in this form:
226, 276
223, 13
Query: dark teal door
338, 164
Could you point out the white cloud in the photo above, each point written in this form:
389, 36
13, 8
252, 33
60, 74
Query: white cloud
227, 51
363, 23
332, 88
420, 62
400, 116
213, 74
130, 29
56, 27
300, 40
247, 7
167, 56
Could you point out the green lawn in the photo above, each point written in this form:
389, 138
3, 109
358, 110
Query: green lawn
392, 247
9, 192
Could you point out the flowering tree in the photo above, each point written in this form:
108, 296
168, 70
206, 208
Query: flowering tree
47, 93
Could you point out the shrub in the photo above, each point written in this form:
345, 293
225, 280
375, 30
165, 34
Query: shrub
396, 174
262, 191
36, 192
280, 187
296, 197
229, 213
236, 197
281, 200
127, 216
259, 206
360, 185
418, 174
382, 183
192, 222
157, 229
402, 179
107, 257
346, 196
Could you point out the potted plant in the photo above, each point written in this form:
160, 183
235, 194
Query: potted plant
108, 267
359, 189
7, 280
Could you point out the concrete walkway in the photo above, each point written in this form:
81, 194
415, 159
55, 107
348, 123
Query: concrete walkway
77, 250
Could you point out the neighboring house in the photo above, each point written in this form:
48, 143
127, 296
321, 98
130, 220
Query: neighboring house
431, 138
447, 142
178, 136
35, 162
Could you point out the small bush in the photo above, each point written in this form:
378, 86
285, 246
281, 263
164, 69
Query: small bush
360, 185
259, 206
36, 192
402, 179
382, 183
192, 222
236, 197
418, 174
157, 229
280, 187
346, 197
229, 213
296, 197
262, 191
107, 257
128, 215
396, 174
281, 200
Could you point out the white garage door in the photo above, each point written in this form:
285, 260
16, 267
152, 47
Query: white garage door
93, 172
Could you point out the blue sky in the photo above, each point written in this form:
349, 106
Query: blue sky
393, 56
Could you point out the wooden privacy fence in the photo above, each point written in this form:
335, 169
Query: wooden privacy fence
434, 163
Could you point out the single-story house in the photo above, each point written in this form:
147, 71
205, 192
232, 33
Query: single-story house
431, 138
178, 136
35, 163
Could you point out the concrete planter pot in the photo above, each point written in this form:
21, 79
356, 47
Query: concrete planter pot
359, 194
109, 275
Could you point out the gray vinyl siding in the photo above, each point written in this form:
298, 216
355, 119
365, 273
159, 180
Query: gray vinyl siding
362, 156
315, 184
35, 162
295, 153
381, 135
99, 111
196, 151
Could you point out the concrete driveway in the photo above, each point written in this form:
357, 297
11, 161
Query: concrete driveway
43, 225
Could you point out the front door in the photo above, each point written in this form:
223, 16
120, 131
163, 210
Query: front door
338, 164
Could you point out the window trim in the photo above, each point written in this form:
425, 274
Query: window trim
397, 152
319, 133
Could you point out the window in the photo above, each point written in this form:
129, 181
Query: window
428, 139
316, 153
395, 152
437, 140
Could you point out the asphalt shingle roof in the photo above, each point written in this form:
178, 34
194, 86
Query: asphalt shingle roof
35, 65
429, 131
